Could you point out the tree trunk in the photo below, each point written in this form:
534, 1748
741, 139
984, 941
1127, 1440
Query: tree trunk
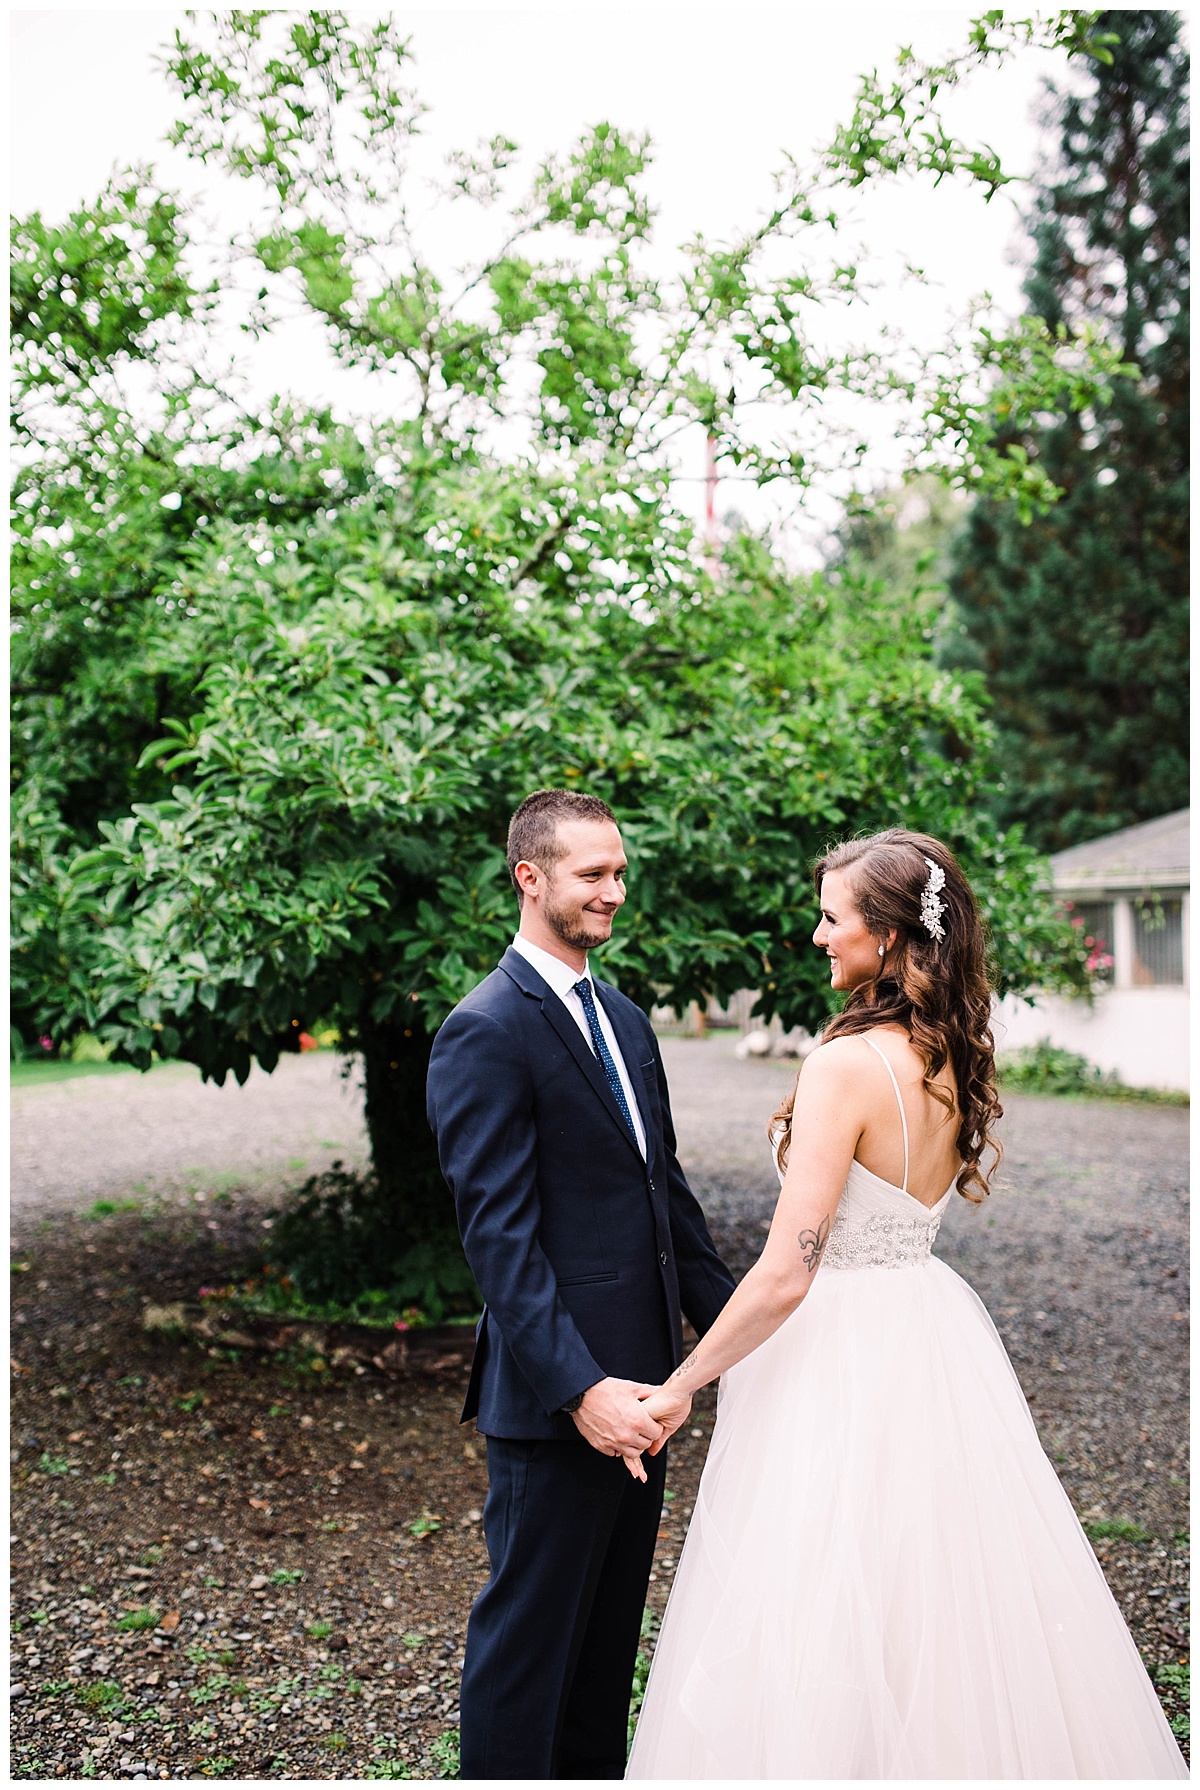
403, 1150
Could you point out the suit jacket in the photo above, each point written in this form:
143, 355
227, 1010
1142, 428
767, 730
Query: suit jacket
584, 1252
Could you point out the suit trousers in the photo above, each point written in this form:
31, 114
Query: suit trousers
552, 1638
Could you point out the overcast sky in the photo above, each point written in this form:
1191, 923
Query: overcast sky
723, 91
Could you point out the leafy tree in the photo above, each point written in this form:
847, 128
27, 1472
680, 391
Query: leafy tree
1080, 619
280, 679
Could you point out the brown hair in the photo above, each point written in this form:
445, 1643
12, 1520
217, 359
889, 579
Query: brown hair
533, 829
939, 990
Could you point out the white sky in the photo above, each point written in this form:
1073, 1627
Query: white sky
723, 90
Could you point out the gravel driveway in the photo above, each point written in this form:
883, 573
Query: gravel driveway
1080, 1255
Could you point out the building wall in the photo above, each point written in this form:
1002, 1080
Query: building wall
1139, 1033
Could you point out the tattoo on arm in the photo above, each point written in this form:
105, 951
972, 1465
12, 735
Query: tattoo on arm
812, 1245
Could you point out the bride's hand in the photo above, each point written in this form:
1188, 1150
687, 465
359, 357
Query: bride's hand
670, 1407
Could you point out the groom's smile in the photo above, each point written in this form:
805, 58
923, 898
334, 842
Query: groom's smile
569, 905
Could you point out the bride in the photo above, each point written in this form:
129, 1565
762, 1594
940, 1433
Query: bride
883, 1577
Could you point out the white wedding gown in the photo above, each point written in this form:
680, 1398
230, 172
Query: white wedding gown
883, 1577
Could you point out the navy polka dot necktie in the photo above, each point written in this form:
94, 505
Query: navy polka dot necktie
584, 991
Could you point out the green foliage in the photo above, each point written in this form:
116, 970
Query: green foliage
641, 1670
1175, 1679
1046, 1068
1080, 619
444, 1755
104, 1695
133, 1621
279, 680
1116, 1529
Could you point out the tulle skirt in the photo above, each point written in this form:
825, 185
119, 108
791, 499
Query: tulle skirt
883, 1577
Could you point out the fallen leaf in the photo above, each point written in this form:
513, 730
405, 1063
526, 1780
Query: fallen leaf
76, 1436
260, 1504
170, 1620
259, 1435
359, 1447
358, 1466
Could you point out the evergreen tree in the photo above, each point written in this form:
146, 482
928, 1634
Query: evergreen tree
1079, 618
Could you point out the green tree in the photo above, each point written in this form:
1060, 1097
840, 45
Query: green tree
1080, 619
280, 679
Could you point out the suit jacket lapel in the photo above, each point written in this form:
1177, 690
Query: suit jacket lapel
527, 978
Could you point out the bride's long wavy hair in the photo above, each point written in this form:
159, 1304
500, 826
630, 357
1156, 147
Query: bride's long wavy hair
939, 990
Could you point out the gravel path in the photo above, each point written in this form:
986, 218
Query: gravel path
105, 1136
304, 1532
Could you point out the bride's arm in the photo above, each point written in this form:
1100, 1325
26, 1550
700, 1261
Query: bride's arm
827, 1122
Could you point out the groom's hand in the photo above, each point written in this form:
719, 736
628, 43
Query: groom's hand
614, 1420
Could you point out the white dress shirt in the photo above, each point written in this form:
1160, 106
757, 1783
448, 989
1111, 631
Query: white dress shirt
562, 979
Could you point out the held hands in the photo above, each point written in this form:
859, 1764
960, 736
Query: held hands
670, 1407
614, 1418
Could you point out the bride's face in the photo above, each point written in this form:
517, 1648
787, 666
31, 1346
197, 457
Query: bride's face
853, 952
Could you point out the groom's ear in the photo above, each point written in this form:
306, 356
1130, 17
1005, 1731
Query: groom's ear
529, 879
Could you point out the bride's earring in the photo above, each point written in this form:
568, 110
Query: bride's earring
881, 950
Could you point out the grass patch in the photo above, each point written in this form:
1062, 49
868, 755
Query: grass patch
641, 1671
106, 1208
35, 1074
1116, 1529
1044, 1068
1176, 1681
319, 1631
443, 1755
134, 1620
103, 1696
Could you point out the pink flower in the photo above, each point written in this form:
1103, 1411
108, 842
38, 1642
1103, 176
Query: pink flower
400, 1324
46, 1042
306, 1041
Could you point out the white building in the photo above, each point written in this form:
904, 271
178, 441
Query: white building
1129, 891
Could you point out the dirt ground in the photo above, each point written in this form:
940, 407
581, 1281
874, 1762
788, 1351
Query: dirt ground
254, 1556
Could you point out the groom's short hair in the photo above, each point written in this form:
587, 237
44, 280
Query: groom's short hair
533, 829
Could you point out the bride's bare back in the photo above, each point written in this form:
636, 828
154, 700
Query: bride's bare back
933, 1159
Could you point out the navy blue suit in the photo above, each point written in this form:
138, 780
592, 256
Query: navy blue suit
585, 1255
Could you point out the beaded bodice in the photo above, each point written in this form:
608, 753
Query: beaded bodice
878, 1225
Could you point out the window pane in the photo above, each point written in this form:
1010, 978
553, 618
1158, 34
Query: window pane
1093, 920
1157, 942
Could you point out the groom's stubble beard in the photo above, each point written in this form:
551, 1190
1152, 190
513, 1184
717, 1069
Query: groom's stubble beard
567, 924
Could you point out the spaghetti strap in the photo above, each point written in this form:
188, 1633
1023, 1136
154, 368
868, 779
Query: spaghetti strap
896, 1085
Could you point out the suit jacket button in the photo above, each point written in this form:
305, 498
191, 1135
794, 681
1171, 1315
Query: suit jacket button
663, 1258
652, 1187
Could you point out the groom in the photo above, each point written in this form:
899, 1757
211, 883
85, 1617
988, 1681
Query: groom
549, 1101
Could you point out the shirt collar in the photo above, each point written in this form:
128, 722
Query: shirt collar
560, 976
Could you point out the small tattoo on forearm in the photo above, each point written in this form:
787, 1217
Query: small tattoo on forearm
812, 1245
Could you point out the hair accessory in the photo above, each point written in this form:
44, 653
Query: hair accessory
932, 908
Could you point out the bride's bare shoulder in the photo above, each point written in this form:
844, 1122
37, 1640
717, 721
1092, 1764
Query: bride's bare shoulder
833, 1059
